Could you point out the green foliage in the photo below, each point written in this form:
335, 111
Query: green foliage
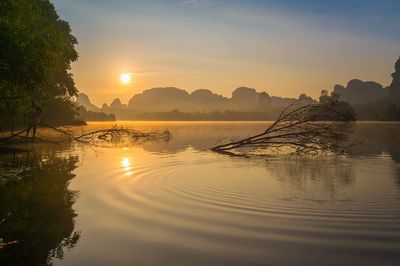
58, 111
37, 49
36, 52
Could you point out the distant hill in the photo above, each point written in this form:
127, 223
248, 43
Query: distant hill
371, 100
90, 112
202, 100
361, 92
168, 99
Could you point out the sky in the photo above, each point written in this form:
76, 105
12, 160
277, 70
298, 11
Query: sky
283, 47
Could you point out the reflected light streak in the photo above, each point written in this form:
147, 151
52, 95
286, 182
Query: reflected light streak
126, 166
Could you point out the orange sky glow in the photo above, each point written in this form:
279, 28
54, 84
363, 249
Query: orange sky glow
219, 46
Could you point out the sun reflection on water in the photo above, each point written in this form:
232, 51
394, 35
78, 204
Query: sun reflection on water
127, 167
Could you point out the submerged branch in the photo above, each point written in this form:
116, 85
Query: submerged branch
301, 128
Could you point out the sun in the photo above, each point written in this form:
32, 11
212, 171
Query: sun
125, 78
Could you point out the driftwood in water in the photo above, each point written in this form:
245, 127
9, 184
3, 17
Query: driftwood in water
121, 134
111, 135
301, 128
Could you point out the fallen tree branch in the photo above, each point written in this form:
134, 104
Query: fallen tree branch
114, 135
301, 128
120, 135
5, 139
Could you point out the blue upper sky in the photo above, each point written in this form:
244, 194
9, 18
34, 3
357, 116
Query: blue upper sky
282, 46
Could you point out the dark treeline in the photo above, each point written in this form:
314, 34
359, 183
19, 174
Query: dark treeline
86, 115
227, 115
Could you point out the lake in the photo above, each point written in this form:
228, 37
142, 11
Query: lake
177, 203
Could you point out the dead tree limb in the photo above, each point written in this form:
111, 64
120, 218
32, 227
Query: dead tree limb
120, 135
301, 128
101, 137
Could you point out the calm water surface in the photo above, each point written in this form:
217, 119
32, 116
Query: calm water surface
175, 203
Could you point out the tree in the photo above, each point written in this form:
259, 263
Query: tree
36, 52
395, 85
344, 110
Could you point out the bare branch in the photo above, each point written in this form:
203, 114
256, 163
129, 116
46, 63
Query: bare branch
301, 128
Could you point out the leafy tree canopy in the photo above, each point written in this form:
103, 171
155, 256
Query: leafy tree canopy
36, 51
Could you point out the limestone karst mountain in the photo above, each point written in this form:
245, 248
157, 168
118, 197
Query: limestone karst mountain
371, 100
202, 100
168, 99
83, 100
116, 104
361, 92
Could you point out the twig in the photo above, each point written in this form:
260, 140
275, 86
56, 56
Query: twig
5, 218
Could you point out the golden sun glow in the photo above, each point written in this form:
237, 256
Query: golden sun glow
125, 78
126, 166
126, 163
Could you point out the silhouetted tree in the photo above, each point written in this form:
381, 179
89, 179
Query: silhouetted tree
395, 85
36, 52
344, 110
304, 97
393, 111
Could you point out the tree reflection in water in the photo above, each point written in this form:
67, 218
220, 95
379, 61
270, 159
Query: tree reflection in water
330, 173
40, 214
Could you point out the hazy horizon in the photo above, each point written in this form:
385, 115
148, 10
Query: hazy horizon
283, 47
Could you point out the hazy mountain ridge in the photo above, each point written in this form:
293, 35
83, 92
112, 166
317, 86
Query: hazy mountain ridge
370, 100
163, 99
361, 92
203, 100
245, 100
84, 100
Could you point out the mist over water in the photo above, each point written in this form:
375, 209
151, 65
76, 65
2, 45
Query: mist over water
176, 203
